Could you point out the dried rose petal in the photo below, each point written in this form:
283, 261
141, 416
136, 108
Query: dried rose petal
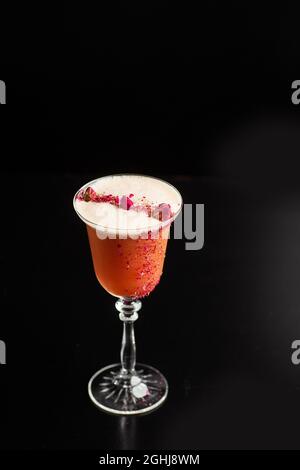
161, 212
125, 202
89, 194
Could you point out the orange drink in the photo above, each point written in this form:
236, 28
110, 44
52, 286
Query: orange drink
128, 220
128, 267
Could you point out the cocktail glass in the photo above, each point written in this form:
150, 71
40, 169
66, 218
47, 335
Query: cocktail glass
128, 265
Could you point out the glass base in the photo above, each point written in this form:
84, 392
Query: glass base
128, 394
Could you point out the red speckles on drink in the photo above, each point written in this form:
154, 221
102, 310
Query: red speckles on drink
128, 267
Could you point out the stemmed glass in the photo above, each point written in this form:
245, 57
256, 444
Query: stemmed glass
129, 266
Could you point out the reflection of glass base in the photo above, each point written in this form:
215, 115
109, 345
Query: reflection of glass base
130, 394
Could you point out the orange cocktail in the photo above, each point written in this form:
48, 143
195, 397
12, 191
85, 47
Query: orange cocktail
128, 267
128, 220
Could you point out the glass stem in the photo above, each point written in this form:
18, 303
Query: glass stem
128, 313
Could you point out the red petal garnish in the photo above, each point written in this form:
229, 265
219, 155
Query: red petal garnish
125, 202
89, 194
129, 203
161, 212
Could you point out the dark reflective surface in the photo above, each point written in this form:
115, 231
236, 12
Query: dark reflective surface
127, 433
219, 326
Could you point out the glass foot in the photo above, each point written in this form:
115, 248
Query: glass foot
128, 394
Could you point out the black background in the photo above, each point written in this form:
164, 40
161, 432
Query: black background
201, 97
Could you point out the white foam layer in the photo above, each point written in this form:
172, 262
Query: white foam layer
113, 219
